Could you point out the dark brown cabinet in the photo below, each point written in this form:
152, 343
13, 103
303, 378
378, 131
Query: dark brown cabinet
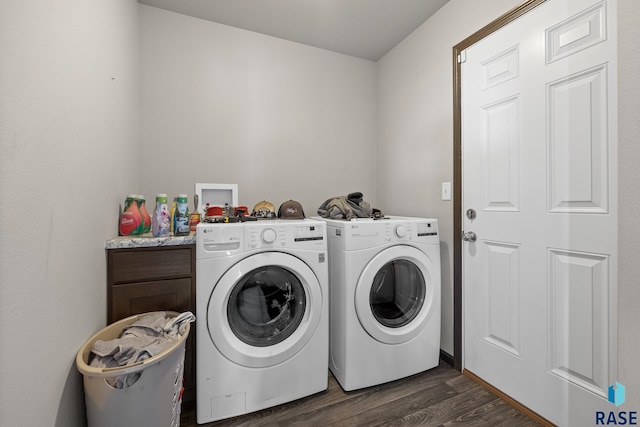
145, 279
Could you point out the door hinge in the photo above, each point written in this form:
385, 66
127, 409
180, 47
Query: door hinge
462, 56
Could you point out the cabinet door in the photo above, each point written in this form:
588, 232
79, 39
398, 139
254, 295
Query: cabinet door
155, 263
162, 295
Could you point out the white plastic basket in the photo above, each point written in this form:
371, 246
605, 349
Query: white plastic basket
154, 400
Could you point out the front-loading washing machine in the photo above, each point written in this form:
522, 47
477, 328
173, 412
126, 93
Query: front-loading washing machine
384, 281
262, 315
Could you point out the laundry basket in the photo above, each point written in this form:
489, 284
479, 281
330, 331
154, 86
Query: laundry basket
154, 399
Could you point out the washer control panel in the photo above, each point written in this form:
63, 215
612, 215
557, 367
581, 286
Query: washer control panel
299, 234
268, 235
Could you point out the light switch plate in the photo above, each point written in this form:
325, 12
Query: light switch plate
446, 191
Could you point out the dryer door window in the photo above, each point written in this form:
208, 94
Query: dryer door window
266, 306
397, 293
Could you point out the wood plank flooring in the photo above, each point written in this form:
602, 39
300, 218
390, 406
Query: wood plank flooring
439, 397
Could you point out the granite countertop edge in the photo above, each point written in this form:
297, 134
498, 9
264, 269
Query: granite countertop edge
148, 241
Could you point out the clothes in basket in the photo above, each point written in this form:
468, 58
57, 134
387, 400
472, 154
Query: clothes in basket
148, 336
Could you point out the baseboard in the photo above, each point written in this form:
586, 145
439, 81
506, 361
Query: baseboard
531, 414
446, 357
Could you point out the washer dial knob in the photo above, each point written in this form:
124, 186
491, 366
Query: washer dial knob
269, 235
400, 231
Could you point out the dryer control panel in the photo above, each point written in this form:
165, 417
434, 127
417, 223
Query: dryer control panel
357, 235
425, 231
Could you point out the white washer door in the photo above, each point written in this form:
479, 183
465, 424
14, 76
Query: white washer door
395, 294
264, 309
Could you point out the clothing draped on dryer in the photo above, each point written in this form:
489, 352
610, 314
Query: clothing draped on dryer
347, 207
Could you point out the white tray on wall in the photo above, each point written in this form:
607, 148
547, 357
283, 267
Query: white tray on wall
216, 195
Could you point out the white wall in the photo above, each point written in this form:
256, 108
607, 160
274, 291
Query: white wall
68, 153
415, 125
280, 119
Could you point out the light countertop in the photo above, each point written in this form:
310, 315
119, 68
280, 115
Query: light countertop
147, 240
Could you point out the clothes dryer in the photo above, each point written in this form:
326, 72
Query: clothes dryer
262, 315
384, 280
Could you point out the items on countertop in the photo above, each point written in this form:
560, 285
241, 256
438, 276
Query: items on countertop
131, 221
145, 214
194, 218
181, 216
176, 220
172, 214
161, 220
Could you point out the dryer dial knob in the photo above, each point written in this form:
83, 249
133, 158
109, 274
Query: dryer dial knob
400, 231
269, 235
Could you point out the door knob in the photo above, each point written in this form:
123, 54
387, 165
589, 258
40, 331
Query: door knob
469, 236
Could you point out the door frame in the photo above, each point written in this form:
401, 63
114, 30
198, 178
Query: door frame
458, 49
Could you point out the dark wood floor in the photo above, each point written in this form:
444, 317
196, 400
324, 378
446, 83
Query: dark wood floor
439, 397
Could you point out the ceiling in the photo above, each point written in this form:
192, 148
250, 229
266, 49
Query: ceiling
365, 29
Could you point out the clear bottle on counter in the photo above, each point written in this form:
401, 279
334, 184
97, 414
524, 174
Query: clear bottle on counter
161, 221
144, 213
131, 222
181, 216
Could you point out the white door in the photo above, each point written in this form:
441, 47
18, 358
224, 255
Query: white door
539, 140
